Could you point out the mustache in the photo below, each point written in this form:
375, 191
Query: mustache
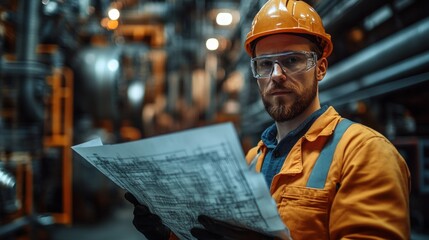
276, 87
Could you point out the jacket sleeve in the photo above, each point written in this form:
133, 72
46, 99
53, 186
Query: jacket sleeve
372, 201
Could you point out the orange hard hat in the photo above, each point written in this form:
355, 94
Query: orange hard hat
288, 16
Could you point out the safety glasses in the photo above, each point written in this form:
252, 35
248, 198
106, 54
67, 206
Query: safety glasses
290, 62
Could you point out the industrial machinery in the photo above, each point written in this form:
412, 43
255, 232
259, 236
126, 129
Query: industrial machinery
44, 60
69, 72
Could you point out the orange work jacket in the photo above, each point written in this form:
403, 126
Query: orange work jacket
366, 193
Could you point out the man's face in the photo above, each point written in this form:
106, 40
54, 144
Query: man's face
284, 95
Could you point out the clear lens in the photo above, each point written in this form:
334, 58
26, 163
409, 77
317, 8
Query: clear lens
290, 62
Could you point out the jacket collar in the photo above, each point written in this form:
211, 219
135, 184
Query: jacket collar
323, 126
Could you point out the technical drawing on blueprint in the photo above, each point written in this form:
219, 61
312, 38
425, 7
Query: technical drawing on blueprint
185, 174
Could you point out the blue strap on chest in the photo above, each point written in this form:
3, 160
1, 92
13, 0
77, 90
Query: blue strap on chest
320, 170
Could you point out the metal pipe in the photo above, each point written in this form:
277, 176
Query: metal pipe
28, 30
29, 101
6, 179
8, 201
401, 45
402, 69
341, 15
382, 89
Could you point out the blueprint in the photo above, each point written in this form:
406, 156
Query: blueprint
185, 174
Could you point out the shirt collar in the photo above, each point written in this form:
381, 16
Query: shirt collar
269, 136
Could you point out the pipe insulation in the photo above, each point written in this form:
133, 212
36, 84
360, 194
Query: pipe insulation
401, 45
28, 30
30, 101
393, 72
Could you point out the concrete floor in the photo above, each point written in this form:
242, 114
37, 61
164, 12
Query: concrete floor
117, 227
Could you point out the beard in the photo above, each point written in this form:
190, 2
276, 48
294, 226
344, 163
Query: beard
281, 111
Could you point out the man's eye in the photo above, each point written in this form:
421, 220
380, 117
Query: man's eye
290, 60
265, 63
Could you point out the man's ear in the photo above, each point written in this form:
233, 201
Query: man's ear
322, 67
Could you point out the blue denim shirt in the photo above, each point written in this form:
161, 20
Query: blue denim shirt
277, 152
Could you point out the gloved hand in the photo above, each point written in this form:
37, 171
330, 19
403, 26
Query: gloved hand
146, 222
215, 229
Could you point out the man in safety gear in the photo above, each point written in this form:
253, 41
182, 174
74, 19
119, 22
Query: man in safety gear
331, 178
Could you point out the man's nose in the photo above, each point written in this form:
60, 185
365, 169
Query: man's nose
277, 71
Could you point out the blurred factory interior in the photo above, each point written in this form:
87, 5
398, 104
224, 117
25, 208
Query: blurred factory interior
71, 70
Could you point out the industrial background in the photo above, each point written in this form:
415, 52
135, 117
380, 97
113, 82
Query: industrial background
71, 70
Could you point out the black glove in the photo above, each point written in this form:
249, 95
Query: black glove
215, 229
147, 223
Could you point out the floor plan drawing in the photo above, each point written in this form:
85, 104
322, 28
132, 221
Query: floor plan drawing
182, 175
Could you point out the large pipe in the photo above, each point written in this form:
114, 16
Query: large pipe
401, 45
28, 30
29, 101
337, 16
404, 68
382, 89
8, 201
98, 74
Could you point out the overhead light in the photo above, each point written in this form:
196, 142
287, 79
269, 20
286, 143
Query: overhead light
212, 44
224, 18
114, 14
113, 65
51, 7
112, 24
135, 92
